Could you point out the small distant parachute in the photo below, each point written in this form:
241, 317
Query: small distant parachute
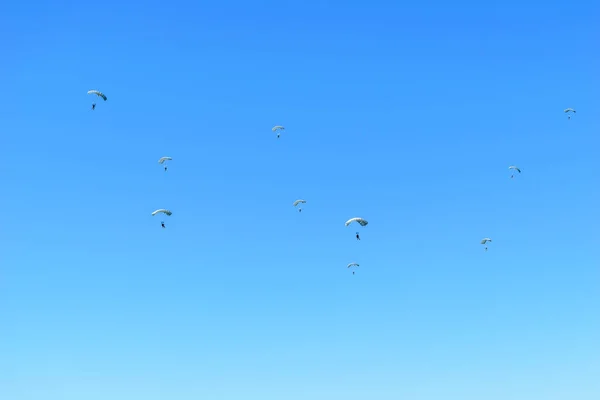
97, 93
353, 265
361, 221
568, 110
278, 129
484, 241
514, 168
299, 201
163, 160
162, 210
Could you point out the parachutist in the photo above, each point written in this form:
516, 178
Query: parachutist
570, 110
93, 106
299, 201
357, 236
163, 161
352, 272
162, 224
485, 241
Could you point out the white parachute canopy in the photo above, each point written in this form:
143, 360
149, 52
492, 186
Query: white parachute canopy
353, 265
515, 168
97, 93
569, 110
299, 201
485, 240
163, 159
361, 221
162, 210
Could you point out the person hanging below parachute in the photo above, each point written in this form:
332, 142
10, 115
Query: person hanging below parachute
97, 93
163, 161
299, 201
164, 211
484, 241
358, 220
278, 129
569, 110
353, 265
514, 168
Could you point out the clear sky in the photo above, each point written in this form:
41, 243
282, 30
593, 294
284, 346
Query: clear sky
407, 115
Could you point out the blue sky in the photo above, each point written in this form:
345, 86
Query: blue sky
406, 115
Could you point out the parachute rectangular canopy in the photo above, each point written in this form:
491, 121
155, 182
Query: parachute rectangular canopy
361, 221
162, 210
97, 93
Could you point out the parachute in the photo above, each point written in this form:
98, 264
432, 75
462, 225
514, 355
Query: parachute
568, 110
299, 201
277, 128
484, 241
361, 221
162, 210
97, 93
162, 160
352, 265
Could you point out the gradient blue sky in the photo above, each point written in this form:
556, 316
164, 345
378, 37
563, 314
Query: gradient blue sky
405, 114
